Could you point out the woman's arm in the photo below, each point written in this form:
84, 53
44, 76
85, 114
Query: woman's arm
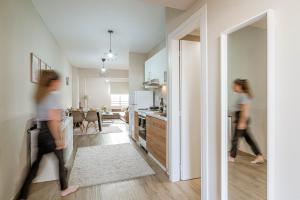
244, 115
54, 126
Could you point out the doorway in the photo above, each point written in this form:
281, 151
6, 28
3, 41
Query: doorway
199, 18
247, 105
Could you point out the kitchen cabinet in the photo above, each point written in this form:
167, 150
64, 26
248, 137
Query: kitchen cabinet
156, 66
136, 127
157, 139
148, 65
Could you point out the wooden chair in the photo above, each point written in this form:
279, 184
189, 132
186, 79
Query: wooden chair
78, 119
91, 117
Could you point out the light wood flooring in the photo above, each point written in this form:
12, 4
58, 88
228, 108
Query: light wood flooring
247, 181
155, 187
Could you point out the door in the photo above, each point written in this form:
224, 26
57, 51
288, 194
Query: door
190, 63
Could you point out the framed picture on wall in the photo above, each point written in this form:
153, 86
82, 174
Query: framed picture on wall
43, 65
34, 68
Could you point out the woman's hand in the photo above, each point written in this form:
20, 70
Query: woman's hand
60, 144
242, 126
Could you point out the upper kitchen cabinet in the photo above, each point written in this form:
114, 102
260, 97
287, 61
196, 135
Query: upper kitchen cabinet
156, 66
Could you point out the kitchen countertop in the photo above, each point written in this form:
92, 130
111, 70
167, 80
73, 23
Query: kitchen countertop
152, 114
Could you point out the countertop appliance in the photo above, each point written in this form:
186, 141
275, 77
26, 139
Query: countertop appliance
138, 100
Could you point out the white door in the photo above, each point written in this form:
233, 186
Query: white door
190, 63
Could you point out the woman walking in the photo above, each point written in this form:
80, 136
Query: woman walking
50, 138
241, 86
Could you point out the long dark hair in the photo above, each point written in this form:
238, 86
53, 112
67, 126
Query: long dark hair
245, 86
45, 79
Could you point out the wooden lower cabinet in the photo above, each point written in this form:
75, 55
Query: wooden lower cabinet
136, 127
157, 139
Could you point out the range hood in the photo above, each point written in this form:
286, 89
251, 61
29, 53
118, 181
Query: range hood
154, 83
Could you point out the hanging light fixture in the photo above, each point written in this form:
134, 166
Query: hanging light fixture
110, 55
103, 69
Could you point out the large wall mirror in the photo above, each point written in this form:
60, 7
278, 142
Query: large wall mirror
246, 100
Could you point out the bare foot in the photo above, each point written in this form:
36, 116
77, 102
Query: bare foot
231, 159
258, 160
69, 190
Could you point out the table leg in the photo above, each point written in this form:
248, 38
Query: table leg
99, 122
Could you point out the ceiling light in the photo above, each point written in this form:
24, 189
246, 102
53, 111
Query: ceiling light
110, 55
103, 69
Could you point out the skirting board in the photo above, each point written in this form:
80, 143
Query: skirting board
157, 162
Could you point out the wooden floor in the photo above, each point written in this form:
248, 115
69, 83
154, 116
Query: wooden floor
155, 187
247, 181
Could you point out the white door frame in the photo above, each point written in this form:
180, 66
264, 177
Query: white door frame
198, 18
270, 100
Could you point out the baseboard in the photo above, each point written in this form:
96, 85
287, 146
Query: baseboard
157, 162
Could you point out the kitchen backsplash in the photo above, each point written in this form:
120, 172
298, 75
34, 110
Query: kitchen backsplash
160, 93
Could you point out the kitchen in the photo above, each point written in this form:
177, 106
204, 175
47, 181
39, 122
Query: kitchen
148, 110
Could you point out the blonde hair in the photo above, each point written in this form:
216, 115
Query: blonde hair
46, 77
245, 86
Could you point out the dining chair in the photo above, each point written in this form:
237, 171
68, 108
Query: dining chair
91, 117
78, 119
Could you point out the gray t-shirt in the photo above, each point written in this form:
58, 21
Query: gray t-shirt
52, 101
243, 99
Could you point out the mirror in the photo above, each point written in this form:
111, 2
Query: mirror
247, 112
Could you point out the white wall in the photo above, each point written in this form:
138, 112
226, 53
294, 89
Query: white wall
92, 83
247, 59
136, 71
75, 87
223, 15
156, 49
119, 88
21, 32
98, 90
176, 17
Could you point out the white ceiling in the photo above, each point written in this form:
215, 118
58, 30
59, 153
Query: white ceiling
80, 27
178, 4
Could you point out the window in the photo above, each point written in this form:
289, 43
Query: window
119, 99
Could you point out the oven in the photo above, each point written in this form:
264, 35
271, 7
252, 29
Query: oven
142, 130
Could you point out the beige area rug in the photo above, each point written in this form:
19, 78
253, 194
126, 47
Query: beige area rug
90, 131
107, 163
110, 129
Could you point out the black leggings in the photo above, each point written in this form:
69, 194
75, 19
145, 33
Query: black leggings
248, 137
46, 144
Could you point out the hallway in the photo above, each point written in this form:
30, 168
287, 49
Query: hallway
151, 187
119, 59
